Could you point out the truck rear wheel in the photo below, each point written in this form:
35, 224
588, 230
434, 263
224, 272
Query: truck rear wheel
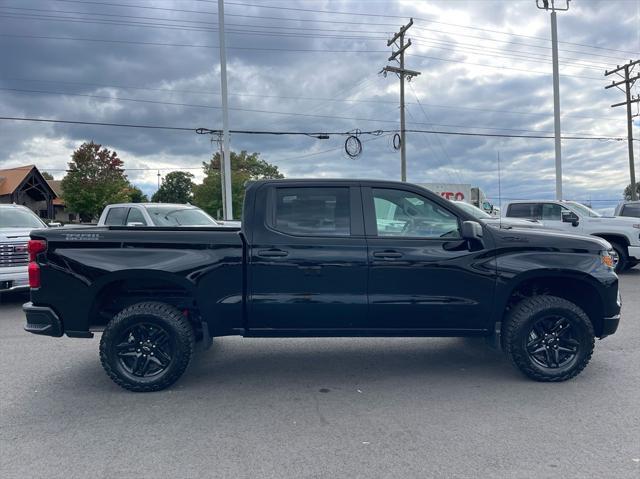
548, 338
147, 346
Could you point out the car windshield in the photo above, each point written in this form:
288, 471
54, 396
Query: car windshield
584, 209
19, 218
177, 216
474, 211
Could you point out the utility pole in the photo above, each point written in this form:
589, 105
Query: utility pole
627, 81
544, 5
225, 159
402, 72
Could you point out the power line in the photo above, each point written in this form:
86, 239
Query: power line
258, 132
305, 98
404, 17
251, 110
296, 50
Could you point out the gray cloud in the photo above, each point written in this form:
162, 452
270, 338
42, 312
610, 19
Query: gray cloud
465, 81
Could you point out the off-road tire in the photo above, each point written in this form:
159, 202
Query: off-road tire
519, 323
167, 317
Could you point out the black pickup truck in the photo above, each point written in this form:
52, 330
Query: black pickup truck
324, 258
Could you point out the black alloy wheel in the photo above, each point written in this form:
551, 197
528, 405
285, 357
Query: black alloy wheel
145, 350
550, 342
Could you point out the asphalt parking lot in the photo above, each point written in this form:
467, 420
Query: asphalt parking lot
320, 408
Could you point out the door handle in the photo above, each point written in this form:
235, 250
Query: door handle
387, 254
272, 253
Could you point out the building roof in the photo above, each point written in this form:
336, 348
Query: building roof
11, 178
56, 186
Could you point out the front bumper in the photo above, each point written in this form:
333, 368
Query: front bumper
634, 252
42, 320
609, 325
14, 280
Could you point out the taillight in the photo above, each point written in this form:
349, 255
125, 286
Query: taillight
34, 247
34, 275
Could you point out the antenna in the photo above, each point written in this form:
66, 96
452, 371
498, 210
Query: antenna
499, 191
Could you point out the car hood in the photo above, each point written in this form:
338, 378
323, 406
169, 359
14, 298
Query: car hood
621, 221
12, 235
544, 238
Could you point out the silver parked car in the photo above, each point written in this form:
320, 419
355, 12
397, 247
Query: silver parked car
158, 214
16, 222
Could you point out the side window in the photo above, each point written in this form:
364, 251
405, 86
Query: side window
529, 211
312, 211
135, 216
402, 213
631, 210
116, 217
552, 212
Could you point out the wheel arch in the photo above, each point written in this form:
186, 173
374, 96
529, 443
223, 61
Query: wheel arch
116, 291
613, 238
580, 289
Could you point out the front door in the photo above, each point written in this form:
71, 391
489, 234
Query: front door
422, 275
308, 261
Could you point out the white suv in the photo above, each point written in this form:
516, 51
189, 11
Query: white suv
16, 222
570, 216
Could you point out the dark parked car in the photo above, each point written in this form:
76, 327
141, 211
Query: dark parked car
324, 258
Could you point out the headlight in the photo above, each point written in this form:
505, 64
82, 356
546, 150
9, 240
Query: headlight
606, 259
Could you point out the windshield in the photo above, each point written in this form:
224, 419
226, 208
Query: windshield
176, 216
19, 218
584, 210
477, 213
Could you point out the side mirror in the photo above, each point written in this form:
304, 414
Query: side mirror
135, 223
54, 224
570, 217
471, 230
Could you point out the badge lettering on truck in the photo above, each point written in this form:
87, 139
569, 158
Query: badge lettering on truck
82, 237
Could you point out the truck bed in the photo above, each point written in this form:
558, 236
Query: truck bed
100, 269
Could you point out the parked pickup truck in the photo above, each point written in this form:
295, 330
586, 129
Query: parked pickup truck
574, 217
324, 258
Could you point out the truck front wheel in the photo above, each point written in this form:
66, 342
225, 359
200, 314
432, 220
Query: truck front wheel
620, 257
147, 346
548, 338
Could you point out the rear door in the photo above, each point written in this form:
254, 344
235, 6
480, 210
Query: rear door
307, 260
116, 216
422, 276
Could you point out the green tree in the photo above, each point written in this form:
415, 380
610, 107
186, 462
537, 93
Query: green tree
95, 179
177, 187
244, 167
46, 175
627, 191
136, 195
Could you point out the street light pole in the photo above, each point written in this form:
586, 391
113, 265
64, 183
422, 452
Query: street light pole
225, 160
544, 4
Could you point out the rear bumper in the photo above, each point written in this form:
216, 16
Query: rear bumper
42, 320
634, 252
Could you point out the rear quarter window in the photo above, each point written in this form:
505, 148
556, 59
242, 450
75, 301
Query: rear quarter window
631, 210
116, 216
530, 211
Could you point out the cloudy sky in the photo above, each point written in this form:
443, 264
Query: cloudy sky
313, 65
